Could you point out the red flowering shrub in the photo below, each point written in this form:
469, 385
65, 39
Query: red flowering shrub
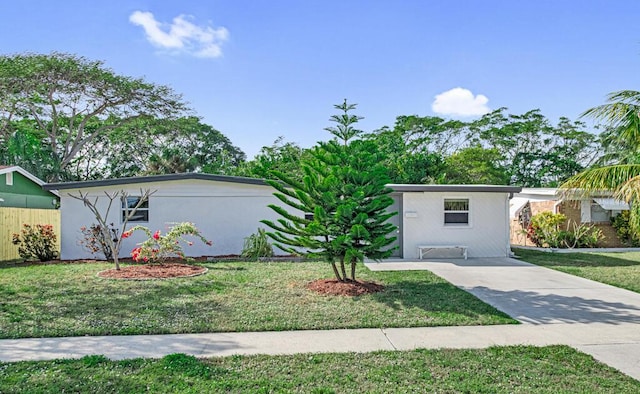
94, 239
158, 247
36, 242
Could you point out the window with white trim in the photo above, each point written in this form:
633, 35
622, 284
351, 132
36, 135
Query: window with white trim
456, 211
141, 214
9, 178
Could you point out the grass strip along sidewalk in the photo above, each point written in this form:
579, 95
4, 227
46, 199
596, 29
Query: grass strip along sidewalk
70, 300
511, 369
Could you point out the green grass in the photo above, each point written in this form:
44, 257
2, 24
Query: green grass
616, 269
70, 300
524, 369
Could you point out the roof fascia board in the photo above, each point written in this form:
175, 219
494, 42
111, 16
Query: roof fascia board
152, 179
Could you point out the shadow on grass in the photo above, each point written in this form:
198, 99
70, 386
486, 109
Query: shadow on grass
434, 297
213, 267
547, 259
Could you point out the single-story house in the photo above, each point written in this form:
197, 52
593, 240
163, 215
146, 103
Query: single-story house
597, 210
473, 216
227, 209
21, 189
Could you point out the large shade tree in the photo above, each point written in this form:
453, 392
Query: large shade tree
622, 113
73, 101
534, 152
161, 146
475, 165
408, 149
340, 204
280, 156
26, 147
525, 148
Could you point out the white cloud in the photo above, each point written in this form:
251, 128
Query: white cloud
459, 101
181, 35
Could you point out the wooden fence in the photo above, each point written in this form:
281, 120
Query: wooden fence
11, 221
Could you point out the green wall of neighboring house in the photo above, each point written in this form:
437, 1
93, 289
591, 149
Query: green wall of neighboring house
24, 193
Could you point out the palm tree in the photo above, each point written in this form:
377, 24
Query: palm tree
622, 113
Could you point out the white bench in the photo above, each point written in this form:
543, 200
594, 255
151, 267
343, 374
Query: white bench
422, 249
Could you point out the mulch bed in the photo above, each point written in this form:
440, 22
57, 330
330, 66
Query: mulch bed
349, 289
153, 271
175, 269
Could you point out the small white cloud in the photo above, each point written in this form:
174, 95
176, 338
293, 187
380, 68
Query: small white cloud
459, 101
181, 35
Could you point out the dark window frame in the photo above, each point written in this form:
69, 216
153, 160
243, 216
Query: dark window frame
456, 211
142, 213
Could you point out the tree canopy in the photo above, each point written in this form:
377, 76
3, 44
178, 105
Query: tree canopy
70, 101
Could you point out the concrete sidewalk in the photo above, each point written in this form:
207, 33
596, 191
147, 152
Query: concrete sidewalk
555, 308
616, 345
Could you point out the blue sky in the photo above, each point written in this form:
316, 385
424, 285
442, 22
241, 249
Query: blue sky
256, 70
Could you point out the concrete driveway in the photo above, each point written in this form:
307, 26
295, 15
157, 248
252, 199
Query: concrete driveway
532, 294
599, 319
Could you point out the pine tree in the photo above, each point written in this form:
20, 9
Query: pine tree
341, 201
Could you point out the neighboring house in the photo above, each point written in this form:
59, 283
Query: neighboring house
596, 210
21, 189
227, 209
22, 201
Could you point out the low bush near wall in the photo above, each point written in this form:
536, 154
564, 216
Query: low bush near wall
621, 223
36, 242
257, 245
545, 230
157, 248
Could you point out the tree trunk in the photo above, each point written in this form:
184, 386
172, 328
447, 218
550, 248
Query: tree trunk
344, 271
353, 270
110, 242
114, 254
335, 271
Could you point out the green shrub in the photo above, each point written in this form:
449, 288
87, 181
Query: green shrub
36, 242
581, 236
545, 231
257, 245
621, 223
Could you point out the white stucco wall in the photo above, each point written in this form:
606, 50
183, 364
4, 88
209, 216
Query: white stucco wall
487, 234
224, 212
227, 212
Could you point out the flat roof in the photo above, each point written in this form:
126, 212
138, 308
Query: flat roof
455, 188
153, 178
256, 181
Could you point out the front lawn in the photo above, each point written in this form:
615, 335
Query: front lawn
524, 369
616, 269
70, 300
